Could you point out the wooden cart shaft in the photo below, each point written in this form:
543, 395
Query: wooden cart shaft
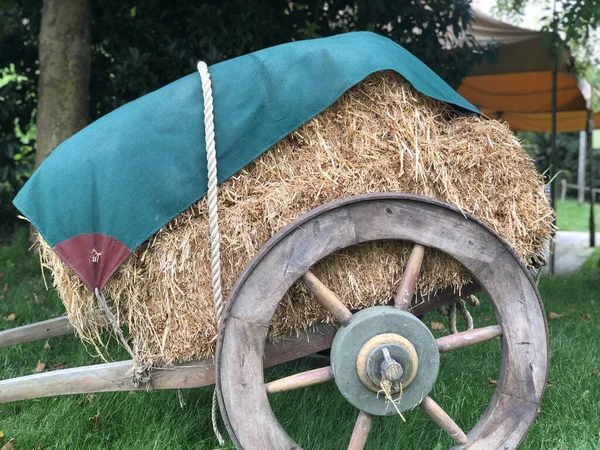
111, 377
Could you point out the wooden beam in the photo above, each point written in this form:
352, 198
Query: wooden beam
108, 377
300, 380
327, 298
467, 338
403, 297
114, 376
362, 426
40, 330
444, 421
442, 298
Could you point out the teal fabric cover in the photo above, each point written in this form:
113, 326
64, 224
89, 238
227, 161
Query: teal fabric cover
135, 169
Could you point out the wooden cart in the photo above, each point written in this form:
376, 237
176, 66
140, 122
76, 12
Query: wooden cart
380, 344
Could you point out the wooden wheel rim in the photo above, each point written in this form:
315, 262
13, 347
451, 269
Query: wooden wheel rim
331, 227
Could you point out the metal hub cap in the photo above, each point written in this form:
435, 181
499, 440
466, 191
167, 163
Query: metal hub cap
384, 345
387, 356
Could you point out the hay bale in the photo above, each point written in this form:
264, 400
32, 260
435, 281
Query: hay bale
380, 136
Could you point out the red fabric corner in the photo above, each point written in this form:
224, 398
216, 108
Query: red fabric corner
94, 257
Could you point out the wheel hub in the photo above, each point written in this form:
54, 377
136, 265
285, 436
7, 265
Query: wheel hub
390, 357
384, 349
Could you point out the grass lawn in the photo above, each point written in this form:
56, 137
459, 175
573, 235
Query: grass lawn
317, 417
574, 217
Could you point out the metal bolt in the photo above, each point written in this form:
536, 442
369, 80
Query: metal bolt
391, 369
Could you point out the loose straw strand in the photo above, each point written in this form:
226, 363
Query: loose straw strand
139, 372
213, 215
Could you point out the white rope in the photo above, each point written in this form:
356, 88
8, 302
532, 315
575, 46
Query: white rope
460, 305
213, 215
214, 411
211, 198
452, 318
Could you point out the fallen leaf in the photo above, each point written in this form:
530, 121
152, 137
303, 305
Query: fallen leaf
539, 410
59, 366
596, 372
437, 326
90, 398
5, 288
35, 298
553, 315
586, 317
40, 366
492, 382
47, 346
1, 435
39, 447
10, 317
1, 297
9, 445
95, 420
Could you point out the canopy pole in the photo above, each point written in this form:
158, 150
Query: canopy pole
553, 163
589, 131
553, 153
581, 160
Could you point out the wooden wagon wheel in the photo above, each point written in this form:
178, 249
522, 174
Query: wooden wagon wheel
385, 338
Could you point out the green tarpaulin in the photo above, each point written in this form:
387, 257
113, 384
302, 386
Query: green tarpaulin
108, 188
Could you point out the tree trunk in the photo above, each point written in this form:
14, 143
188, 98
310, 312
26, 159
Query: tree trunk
65, 47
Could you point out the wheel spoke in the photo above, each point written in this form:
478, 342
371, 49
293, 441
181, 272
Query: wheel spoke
361, 431
410, 276
466, 338
327, 298
443, 420
300, 380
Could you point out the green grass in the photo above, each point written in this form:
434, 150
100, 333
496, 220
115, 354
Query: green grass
318, 417
573, 217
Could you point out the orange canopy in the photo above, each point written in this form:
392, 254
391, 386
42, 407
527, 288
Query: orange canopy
524, 92
517, 87
566, 121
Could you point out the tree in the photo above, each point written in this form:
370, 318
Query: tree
138, 47
65, 49
146, 46
19, 30
575, 21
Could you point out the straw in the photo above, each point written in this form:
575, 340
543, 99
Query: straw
380, 136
